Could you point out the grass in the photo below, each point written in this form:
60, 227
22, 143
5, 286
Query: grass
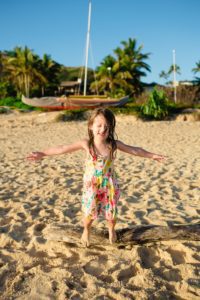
16, 103
196, 116
72, 115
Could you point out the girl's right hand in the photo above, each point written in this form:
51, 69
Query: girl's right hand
33, 156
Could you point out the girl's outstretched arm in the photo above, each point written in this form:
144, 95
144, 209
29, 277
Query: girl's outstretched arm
81, 145
139, 151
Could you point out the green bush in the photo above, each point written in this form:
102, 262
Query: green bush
15, 103
4, 110
3, 89
128, 109
196, 115
72, 115
156, 106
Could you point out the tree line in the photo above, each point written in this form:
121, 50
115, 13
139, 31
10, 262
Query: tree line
24, 72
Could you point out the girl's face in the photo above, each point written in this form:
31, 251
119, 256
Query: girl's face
100, 128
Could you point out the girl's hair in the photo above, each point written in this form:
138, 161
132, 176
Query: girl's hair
110, 119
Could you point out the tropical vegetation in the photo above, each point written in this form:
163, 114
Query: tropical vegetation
121, 74
24, 72
197, 70
166, 74
156, 106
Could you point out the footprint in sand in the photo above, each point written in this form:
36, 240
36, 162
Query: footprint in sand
126, 274
38, 228
93, 268
74, 257
172, 275
96, 269
148, 257
178, 257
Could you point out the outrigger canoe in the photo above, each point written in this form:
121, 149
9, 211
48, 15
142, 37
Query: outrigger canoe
74, 102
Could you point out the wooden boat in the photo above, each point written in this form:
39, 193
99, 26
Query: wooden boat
74, 102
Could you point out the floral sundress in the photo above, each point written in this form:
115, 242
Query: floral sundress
100, 188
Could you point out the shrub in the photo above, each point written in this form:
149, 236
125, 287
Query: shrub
72, 115
4, 110
15, 103
186, 95
196, 115
156, 106
3, 89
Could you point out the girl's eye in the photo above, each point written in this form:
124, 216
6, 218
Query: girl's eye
105, 128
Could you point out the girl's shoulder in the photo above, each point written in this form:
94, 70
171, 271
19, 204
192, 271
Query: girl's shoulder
121, 146
118, 143
85, 144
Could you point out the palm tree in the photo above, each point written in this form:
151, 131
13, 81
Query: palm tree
122, 75
167, 74
3, 80
130, 65
164, 75
23, 68
197, 68
175, 68
1, 64
49, 70
105, 77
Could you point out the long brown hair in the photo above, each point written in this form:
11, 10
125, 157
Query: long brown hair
110, 119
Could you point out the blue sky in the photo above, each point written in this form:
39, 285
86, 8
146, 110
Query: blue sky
58, 28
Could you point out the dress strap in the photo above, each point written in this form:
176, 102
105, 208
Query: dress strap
93, 155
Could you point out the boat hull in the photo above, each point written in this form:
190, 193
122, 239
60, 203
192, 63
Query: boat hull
53, 103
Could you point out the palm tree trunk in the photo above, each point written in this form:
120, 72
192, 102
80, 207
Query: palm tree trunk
26, 85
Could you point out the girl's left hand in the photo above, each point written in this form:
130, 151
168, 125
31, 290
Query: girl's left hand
159, 158
34, 156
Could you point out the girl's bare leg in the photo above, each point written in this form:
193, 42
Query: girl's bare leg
85, 239
112, 233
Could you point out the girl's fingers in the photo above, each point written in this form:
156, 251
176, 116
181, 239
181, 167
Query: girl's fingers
32, 156
160, 158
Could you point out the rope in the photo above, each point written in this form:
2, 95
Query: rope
81, 71
92, 59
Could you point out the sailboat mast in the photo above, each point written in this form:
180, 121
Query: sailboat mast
87, 47
174, 74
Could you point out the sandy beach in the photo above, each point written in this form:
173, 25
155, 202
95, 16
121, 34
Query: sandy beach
36, 197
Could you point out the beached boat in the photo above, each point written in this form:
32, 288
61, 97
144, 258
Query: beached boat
74, 102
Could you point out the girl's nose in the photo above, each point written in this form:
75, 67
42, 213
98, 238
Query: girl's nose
103, 130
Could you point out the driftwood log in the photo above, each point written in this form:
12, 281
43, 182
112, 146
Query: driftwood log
154, 233
132, 235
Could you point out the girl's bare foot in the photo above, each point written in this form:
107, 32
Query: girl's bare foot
112, 235
85, 238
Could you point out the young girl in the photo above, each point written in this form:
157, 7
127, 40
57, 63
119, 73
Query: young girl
100, 189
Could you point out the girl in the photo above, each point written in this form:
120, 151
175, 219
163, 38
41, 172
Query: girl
100, 189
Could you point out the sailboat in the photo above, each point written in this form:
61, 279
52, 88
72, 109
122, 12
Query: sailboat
77, 102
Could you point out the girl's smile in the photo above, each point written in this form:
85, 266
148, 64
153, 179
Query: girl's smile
100, 127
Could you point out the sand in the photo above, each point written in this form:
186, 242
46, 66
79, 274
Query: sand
34, 197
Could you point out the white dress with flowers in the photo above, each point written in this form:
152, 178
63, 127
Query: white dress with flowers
100, 190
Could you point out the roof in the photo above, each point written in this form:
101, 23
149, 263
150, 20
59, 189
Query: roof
69, 83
